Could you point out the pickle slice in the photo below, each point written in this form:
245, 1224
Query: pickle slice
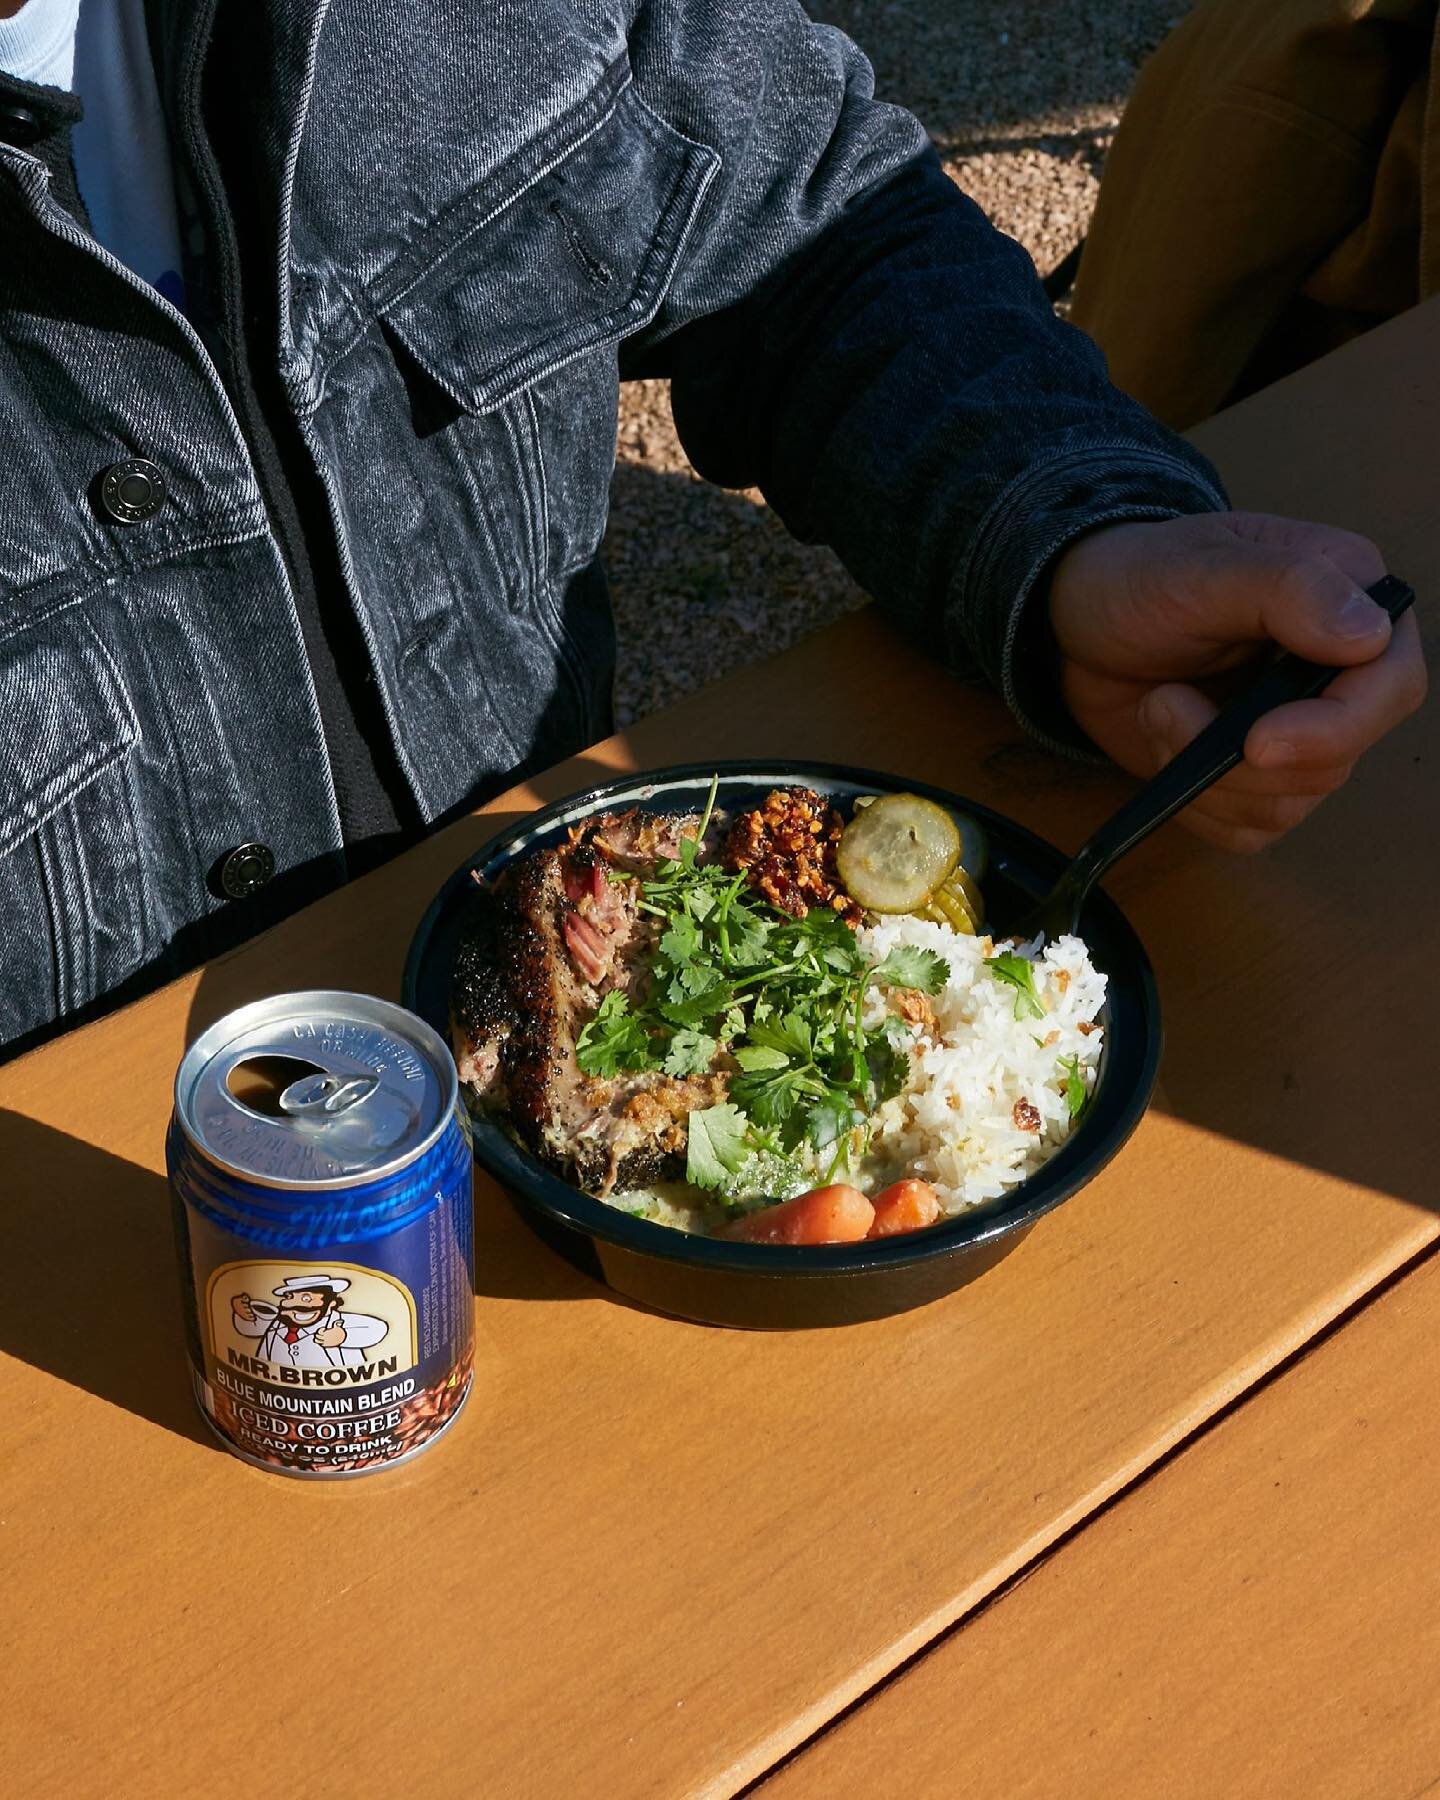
894, 854
960, 883
954, 909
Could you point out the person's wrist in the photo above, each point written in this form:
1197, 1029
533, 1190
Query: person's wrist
1038, 659
999, 612
1072, 594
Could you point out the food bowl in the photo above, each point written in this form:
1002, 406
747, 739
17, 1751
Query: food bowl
777, 1285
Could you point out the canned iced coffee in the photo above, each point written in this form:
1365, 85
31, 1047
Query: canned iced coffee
321, 1179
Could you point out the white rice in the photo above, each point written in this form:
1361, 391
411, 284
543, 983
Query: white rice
955, 1123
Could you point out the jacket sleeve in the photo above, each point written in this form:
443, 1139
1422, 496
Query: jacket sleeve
847, 332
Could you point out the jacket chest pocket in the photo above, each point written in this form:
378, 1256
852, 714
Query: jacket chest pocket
573, 249
71, 911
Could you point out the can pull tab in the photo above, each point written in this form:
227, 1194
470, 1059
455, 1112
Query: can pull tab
325, 1095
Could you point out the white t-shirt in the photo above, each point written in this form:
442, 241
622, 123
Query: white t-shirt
99, 49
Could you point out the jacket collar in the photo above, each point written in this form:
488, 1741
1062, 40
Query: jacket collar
35, 127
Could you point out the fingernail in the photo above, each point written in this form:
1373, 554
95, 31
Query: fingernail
1274, 753
1156, 719
1359, 617
1158, 723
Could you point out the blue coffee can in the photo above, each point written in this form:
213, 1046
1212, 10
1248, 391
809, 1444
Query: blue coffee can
320, 1172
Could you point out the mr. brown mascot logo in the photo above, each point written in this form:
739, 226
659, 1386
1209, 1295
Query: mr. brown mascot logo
307, 1329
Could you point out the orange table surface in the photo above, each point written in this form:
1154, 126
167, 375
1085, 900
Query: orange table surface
653, 1557
1261, 1617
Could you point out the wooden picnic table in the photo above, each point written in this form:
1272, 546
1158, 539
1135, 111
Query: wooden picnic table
655, 1558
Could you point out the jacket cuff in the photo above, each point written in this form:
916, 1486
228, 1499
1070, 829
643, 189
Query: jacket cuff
998, 618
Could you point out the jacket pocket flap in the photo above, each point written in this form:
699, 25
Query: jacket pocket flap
66, 715
579, 256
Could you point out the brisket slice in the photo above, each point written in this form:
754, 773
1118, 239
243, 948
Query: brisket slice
540, 950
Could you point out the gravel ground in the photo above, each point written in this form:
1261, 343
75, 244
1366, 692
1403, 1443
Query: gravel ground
1021, 97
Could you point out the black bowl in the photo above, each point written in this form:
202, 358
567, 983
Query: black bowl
779, 1285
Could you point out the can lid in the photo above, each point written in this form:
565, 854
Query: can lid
318, 1089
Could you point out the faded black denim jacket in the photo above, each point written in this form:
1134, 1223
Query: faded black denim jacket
472, 221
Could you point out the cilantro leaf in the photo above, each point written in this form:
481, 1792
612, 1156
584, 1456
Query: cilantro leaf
749, 935
732, 1024
783, 995
771, 1099
1076, 1093
790, 1034
717, 1145
691, 1052
888, 1068
681, 942
831, 1119
614, 1039
1020, 974
694, 1009
822, 927
908, 966
693, 979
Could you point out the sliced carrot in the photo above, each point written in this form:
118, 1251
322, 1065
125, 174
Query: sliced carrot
827, 1215
907, 1205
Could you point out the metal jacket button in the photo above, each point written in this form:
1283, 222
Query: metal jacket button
246, 870
19, 124
132, 491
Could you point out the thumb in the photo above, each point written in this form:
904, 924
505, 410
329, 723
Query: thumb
1305, 604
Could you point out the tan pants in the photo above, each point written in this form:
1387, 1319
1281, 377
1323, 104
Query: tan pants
1274, 189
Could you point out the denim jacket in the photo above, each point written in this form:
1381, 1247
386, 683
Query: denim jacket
473, 221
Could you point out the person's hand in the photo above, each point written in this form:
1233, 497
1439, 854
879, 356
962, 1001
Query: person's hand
242, 1309
331, 1336
1153, 621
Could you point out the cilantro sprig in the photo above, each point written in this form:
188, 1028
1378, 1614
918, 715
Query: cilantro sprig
1077, 1095
784, 996
1019, 973
614, 1039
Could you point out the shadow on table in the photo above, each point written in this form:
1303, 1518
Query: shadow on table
1299, 987
90, 1285
89, 1289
